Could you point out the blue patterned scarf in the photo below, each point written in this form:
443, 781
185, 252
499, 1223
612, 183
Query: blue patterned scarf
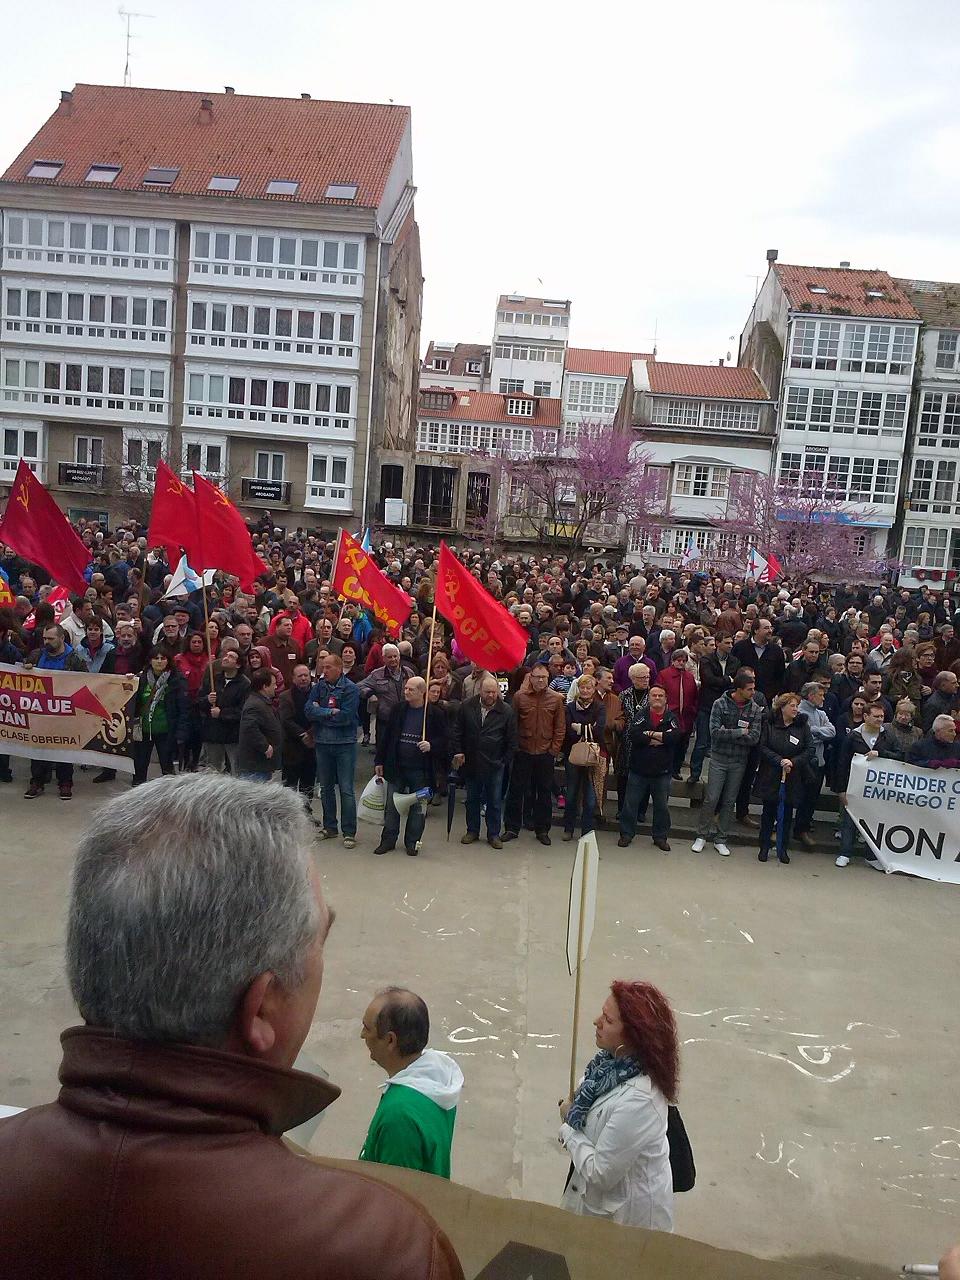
604, 1072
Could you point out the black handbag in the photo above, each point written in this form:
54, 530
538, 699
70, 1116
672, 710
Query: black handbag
681, 1153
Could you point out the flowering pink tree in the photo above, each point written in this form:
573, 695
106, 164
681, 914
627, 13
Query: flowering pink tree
810, 532
561, 493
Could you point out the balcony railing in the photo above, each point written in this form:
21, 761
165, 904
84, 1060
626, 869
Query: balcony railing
274, 493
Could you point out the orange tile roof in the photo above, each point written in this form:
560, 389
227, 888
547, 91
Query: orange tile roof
254, 139
515, 302
488, 406
846, 292
611, 364
705, 381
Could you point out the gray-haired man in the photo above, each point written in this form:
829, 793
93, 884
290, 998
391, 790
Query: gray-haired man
195, 953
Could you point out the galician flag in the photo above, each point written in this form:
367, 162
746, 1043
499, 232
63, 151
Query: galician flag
757, 567
690, 556
185, 580
365, 543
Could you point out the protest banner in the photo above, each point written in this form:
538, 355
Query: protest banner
357, 578
909, 816
72, 716
484, 630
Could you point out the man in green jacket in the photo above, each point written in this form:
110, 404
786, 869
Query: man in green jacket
413, 1124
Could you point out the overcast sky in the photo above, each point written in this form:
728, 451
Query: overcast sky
637, 158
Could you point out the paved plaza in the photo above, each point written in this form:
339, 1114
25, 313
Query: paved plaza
819, 1069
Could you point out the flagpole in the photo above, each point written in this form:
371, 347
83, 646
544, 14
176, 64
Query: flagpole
206, 630
426, 701
576, 992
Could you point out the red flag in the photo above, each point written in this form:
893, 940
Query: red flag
774, 568
222, 537
486, 633
35, 527
173, 520
357, 578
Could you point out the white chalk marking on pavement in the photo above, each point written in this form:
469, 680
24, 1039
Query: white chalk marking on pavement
746, 935
486, 1021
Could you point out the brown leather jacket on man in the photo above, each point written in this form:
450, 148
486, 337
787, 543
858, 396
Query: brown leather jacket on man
541, 720
165, 1162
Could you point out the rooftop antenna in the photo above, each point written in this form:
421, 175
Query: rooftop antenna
127, 15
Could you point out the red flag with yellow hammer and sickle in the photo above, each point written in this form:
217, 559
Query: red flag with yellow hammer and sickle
173, 521
35, 527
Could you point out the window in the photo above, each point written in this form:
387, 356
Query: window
797, 400
861, 480
157, 176
218, 183
341, 191
282, 187
478, 495
838, 476
89, 451
700, 480
20, 443
330, 479
541, 388
509, 386
854, 338
936, 547
269, 466
947, 350
521, 408
441, 364
869, 417
790, 468
142, 454
940, 413
473, 366
45, 169
391, 481
676, 413
913, 544
885, 482
804, 340
102, 172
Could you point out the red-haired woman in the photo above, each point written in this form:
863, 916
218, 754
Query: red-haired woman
615, 1127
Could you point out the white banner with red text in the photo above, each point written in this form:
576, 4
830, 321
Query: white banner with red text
909, 816
68, 716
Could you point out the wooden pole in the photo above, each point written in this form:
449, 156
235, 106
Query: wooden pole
576, 992
206, 631
426, 701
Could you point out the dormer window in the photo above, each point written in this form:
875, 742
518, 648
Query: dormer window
220, 182
437, 399
102, 173
441, 364
45, 169
520, 408
282, 187
473, 366
876, 293
817, 288
341, 191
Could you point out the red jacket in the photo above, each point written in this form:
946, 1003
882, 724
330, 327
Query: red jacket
683, 694
302, 631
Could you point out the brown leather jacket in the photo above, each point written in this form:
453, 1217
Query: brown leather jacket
541, 720
164, 1162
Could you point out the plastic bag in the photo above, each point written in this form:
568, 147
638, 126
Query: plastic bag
371, 805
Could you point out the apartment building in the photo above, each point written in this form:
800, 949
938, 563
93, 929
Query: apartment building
707, 431
929, 542
452, 482
529, 341
837, 346
593, 383
226, 281
462, 365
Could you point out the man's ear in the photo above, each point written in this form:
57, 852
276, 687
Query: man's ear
254, 1022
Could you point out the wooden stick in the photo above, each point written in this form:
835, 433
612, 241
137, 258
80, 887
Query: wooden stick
426, 700
576, 993
206, 631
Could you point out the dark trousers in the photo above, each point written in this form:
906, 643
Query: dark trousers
579, 790
746, 786
301, 775
142, 752
416, 815
42, 770
640, 788
5, 768
701, 747
768, 823
680, 751
530, 777
808, 801
485, 788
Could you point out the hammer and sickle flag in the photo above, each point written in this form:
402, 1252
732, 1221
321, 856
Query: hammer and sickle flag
222, 537
35, 527
173, 519
487, 634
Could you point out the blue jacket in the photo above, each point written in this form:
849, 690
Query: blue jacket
333, 710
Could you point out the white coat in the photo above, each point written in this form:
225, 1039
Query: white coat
621, 1158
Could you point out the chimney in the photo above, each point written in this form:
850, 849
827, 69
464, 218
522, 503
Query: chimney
844, 264
720, 362
228, 88
772, 255
205, 115
66, 102
305, 96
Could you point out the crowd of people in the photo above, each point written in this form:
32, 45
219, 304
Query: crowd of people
632, 676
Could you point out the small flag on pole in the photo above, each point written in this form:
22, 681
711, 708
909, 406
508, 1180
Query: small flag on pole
757, 566
365, 543
690, 556
185, 580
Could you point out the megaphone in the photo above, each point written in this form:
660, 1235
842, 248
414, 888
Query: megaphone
405, 802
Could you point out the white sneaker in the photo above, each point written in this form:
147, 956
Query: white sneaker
875, 863
842, 861
698, 845
721, 848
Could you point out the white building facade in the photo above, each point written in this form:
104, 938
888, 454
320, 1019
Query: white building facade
529, 342
215, 315
847, 342
929, 548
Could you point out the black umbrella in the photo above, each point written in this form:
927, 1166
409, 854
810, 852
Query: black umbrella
453, 777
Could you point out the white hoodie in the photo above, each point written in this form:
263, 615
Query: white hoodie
434, 1074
